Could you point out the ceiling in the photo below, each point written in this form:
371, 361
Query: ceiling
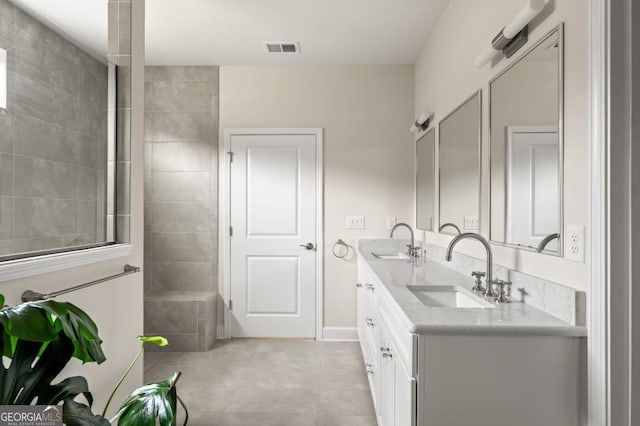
232, 32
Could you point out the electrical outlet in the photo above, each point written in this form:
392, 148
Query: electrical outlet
355, 222
391, 222
471, 223
574, 246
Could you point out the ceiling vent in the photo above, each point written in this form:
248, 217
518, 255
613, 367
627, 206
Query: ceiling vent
281, 47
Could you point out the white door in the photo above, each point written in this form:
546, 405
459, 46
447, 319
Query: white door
533, 193
273, 196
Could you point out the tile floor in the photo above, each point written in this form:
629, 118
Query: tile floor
247, 382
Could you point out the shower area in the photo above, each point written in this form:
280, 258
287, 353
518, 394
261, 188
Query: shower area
181, 205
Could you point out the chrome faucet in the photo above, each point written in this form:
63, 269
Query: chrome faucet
546, 241
453, 225
412, 249
488, 292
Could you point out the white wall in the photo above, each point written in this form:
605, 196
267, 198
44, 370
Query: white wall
115, 306
368, 151
445, 76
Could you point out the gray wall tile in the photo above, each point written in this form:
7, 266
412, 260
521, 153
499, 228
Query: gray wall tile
181, 156
6, 132
180, 186
43, 101
6, 247
182, 247
182, 73
40, 139
123, 188
182, 96
88, 184
170, 317
35, 217
6, 218
180, 217
46, 179
6, 174
123, 228
87, 215
180, 126
181, 276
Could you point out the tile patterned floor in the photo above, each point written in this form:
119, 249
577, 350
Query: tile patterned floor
247, 382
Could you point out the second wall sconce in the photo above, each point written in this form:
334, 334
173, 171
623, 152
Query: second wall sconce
514, 35
421, 123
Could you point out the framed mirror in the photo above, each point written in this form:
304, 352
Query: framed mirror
459, 167
526, 149
425, 180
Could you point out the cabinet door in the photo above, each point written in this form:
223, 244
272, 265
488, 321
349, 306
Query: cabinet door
405, 393
387, 380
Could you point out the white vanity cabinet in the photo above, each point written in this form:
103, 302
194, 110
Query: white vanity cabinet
391, 373
471, 376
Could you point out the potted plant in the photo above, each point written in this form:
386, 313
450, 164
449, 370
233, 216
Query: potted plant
40, 338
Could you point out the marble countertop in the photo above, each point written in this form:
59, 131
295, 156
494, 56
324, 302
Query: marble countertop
513, 318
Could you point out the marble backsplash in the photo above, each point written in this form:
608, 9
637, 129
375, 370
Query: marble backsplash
563, 302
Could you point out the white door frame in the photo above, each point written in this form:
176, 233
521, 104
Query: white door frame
613, 339
225, 216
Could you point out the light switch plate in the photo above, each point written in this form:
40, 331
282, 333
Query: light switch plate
391, 222
574, 243
471, 223
355, 222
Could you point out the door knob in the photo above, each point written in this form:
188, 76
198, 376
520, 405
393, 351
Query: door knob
308, 246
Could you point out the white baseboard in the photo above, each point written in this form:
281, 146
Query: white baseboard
329, 334
340, 334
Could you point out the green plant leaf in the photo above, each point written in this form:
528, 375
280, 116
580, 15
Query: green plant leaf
66, 389
155, 403
77, 414
158, 340
42, 321
28, 322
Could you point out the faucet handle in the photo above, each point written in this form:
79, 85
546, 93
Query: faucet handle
501, 297
478, 285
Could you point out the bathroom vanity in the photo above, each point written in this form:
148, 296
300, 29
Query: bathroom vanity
437, 354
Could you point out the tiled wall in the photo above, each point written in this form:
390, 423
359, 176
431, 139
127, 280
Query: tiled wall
119, 48
181, 201
181, 158
52, 139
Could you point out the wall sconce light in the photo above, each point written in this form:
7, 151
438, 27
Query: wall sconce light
514, 35
3, 78
421, 123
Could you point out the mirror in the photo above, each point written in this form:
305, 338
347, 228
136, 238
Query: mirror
54, 130
425, 180
526, 149
460, 140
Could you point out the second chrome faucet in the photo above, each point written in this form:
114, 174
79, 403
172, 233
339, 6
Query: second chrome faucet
488, 291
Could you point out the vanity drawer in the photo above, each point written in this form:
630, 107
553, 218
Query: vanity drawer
373, 322
406, 343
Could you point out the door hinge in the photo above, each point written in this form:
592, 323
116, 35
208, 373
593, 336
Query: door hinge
231, 154
231, 231
231, 305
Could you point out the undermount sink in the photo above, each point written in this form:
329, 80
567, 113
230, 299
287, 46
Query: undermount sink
390, 256
449, 296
